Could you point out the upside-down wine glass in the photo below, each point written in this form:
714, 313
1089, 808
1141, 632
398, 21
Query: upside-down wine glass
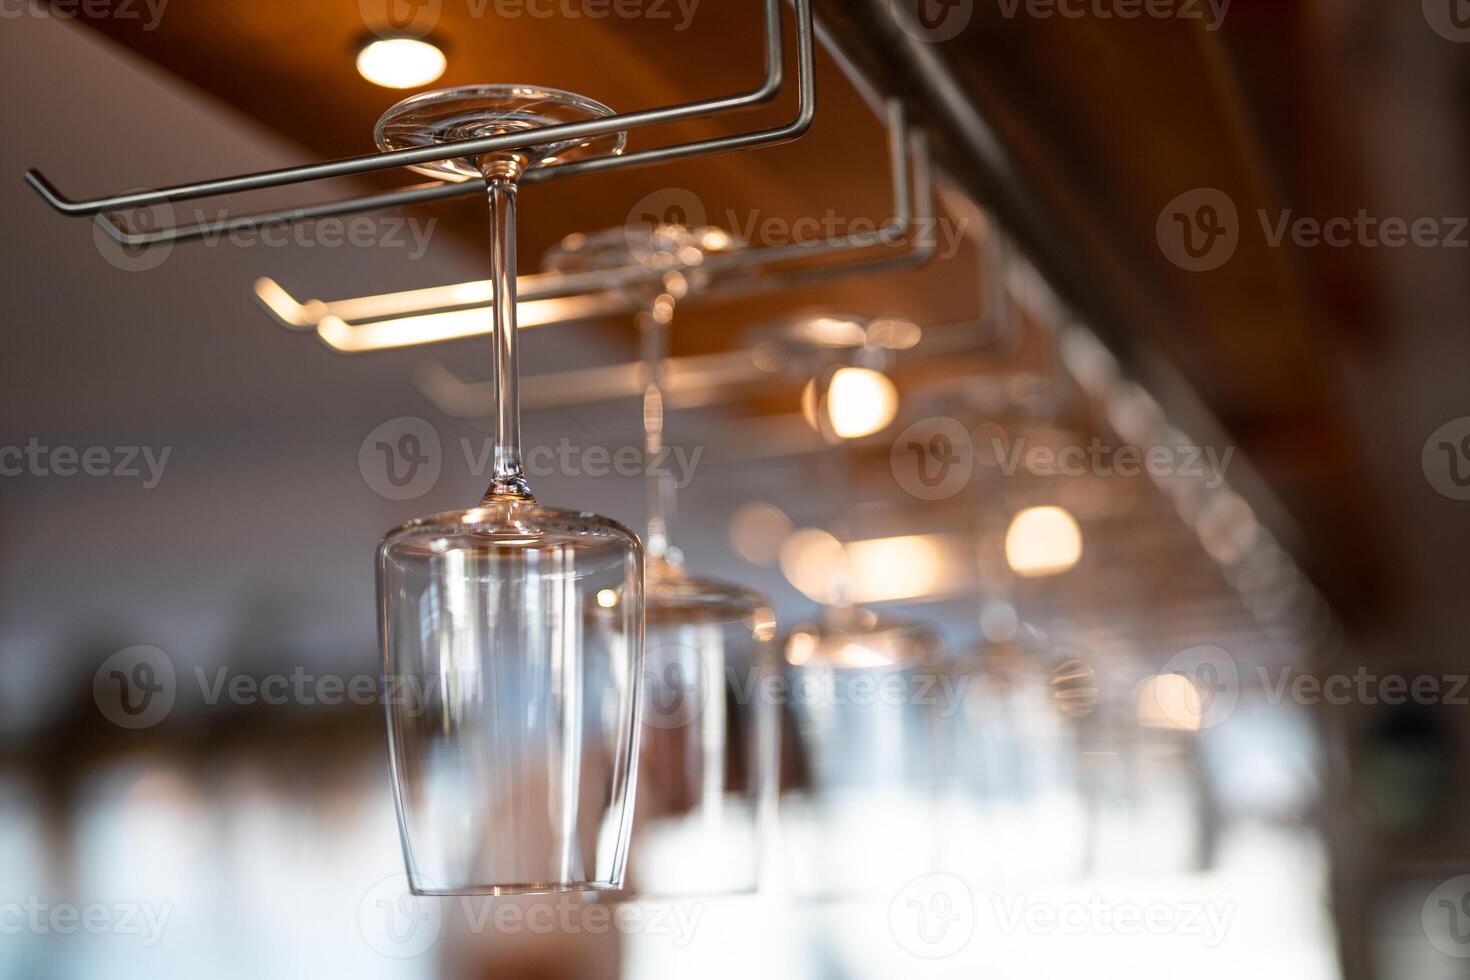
519, 627
708, 767
856, 809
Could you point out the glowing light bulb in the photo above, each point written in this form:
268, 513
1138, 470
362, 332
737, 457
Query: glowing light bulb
1043, 541
859, 402
401, 62
1171, 702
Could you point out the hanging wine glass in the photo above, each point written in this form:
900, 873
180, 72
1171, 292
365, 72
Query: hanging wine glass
708, 767
1011, 761
513, 632
855, 810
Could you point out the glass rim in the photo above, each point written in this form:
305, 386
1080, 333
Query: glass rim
457, 522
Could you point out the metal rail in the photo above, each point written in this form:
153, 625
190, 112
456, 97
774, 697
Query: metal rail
341, 322
553, 303
768, 90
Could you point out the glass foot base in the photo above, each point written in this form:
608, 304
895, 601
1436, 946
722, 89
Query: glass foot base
474, 111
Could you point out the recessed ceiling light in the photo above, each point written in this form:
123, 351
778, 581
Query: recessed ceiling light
400, 62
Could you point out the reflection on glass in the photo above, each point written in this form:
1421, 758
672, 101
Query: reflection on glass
512, 632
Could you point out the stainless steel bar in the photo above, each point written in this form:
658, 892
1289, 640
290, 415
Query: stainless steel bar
468, 295
913, 193
697, 381
903, 150
370, 311
402, 158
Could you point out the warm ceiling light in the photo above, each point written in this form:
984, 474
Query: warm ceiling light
910, 567
816, 563
859, 402
1171, 702
400, 62
1043, 541
876, 570
757, 530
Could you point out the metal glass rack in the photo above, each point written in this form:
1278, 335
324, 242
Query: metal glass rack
106, 209
452, 311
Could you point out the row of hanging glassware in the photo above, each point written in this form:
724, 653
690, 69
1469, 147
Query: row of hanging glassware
603, 719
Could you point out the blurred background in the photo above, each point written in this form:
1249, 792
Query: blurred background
1161, 439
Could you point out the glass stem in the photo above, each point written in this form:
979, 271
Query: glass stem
836, 481
653, 327
509, 479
